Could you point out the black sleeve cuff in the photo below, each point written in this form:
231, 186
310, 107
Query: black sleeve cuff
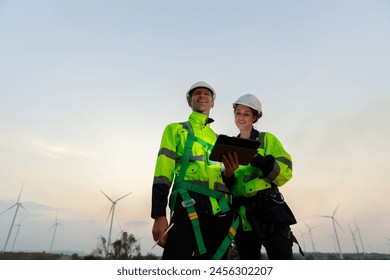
266, 164
229, 181
159, 200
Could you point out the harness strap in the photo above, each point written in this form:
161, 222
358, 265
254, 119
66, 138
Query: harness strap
228, 239
291, 236
189, 203
182, 187
219, 196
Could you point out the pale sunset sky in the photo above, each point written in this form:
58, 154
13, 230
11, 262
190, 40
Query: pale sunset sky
87, 87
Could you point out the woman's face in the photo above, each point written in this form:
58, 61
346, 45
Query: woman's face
244, 117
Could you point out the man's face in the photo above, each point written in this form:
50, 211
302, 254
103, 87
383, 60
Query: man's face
201, 100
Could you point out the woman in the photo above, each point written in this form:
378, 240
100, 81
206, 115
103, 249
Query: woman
265, 217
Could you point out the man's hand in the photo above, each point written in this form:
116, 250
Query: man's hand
230, 161
160, 225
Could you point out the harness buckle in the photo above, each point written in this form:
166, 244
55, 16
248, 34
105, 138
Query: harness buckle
188, 203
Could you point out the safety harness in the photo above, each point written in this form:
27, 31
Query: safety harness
182, 187
262, 228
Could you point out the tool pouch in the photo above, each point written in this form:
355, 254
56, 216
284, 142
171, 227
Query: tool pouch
269, 207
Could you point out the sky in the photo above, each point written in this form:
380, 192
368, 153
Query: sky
87, 87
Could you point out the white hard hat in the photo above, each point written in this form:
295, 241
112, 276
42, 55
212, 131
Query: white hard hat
251, 101
200, 84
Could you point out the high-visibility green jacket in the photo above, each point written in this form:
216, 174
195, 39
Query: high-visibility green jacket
272, 168
200, 171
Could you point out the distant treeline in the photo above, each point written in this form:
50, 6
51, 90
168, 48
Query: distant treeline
308, 256
54, 256
31, 256
346, 256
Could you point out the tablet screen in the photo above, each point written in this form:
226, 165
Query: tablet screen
245, 148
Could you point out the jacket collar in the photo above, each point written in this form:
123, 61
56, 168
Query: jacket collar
254, 134
199, 118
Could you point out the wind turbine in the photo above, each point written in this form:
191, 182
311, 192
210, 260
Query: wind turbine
334, 222
17, 204
121, 232
360, 237
112, 210
17, 232
354, 239
388, 240
311, 236
54, 233
303, 239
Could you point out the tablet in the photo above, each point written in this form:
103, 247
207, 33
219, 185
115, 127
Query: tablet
245, 148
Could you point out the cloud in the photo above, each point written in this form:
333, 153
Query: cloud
57, 150
43, 147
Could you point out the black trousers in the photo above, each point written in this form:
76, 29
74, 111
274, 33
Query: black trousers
249, 245
181, 243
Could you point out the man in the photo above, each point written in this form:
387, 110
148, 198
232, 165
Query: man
200, 214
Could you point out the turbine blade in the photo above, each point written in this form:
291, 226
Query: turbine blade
107, 196
123, 196
51, 227
324, 216
109, 213
9, 208
21, 205
20, 192
334, 212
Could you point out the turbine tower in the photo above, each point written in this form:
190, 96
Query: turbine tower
333, 241
334, 222
112, 210
311, 237
388, 240
354, 239
17, 204
303, 240
360, 237
54, 233
17, 233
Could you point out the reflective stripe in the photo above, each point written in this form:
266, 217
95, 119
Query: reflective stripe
192, 159
161, 180
274, 173
285, 161
221, 188
217, 185
197, 158
261, 139
248, 178
232, 231
168, 153
204, 184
